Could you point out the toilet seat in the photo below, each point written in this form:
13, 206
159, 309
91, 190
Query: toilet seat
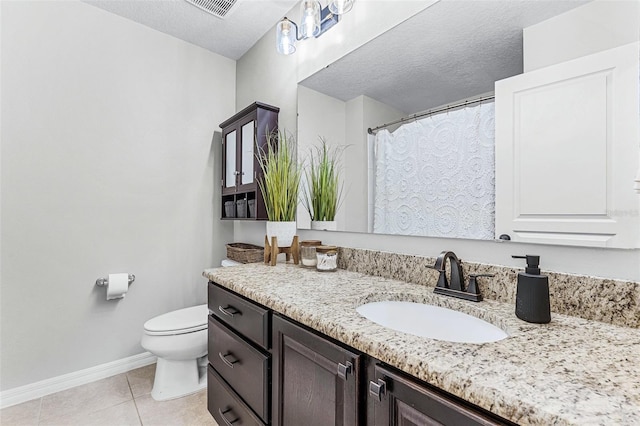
182, 321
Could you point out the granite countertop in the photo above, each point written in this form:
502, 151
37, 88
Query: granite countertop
570, 371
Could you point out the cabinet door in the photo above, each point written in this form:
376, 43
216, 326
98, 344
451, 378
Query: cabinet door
230, 167
401, 401
567, 152
247, 155
315, 382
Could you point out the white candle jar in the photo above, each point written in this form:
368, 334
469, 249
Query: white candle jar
308, 257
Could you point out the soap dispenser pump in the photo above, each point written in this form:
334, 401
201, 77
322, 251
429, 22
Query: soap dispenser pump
532, 297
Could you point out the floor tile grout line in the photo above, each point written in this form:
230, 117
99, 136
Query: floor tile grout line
40, 409
135, 403
126, 375
133, 398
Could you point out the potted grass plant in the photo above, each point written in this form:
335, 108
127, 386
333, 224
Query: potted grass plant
323, 189
280, 185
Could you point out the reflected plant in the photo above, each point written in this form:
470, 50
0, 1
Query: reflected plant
323, 190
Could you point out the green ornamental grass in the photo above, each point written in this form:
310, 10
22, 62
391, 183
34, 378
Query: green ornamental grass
323, 191
281, 177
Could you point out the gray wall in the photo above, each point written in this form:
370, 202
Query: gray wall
107, 166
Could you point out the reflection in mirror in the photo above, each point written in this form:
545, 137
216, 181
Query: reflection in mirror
449, 54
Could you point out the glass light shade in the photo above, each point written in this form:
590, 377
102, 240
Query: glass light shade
285, 37
338, 7
310, 21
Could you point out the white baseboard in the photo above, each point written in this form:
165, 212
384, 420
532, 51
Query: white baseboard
56, 384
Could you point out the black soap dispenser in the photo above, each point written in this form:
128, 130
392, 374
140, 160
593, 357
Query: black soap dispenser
532, 297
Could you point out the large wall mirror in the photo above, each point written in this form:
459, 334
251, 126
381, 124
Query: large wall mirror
445, 61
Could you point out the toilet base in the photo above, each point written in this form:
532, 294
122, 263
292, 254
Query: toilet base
177, 378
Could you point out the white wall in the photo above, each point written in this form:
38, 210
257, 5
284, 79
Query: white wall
342, 124
591, 261
355, 173
319, 116
363, 112
107, 166
591, 28
375, 113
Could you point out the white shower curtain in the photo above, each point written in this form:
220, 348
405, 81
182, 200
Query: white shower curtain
435, 176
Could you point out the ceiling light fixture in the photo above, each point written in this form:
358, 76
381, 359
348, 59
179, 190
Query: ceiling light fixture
338, 7
315, 21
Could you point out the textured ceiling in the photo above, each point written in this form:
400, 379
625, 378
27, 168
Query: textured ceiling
231, 37
453, 50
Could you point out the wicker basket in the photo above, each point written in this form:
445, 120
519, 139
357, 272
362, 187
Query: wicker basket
245, 253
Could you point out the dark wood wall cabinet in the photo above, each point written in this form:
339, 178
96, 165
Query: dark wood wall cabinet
243, 136
265, 369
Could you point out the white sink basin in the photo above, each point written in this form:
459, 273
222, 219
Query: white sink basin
431, 321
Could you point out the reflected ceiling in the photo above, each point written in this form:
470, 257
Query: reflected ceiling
452, 50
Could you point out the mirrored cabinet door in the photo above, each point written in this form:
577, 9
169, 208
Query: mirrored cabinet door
230, 168
248, 158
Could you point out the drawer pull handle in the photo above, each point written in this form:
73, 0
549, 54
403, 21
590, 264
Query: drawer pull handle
227, 421
377, 389
344, 370
226, 361
229, 311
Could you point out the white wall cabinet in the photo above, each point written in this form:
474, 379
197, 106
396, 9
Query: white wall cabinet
567, 144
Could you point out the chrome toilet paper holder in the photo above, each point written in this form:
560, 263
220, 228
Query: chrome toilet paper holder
101, 282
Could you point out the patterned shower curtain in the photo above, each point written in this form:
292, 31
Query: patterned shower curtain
435, 176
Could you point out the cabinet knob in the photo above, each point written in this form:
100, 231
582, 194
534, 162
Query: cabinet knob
344, 370
377, 389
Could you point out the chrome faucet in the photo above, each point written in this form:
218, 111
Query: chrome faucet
456, 288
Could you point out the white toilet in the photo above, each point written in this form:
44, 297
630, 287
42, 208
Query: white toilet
179, 340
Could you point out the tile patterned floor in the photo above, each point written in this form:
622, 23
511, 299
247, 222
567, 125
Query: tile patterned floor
120, 400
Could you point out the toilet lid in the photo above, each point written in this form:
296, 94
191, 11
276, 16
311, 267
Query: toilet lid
182, 321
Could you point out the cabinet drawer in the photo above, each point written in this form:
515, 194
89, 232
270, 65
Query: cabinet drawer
244, 367
245, 317
224, 405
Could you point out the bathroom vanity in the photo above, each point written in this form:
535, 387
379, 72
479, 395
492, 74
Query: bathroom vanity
308, 378
312, 359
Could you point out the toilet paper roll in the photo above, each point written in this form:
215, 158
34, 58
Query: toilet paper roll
118, 286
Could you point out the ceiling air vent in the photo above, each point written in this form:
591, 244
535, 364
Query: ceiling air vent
219, 8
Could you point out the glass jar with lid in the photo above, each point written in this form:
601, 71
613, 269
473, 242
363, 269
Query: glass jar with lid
327, 258
308, 253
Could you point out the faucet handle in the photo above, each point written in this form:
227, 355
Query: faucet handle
473, 283
442, 279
